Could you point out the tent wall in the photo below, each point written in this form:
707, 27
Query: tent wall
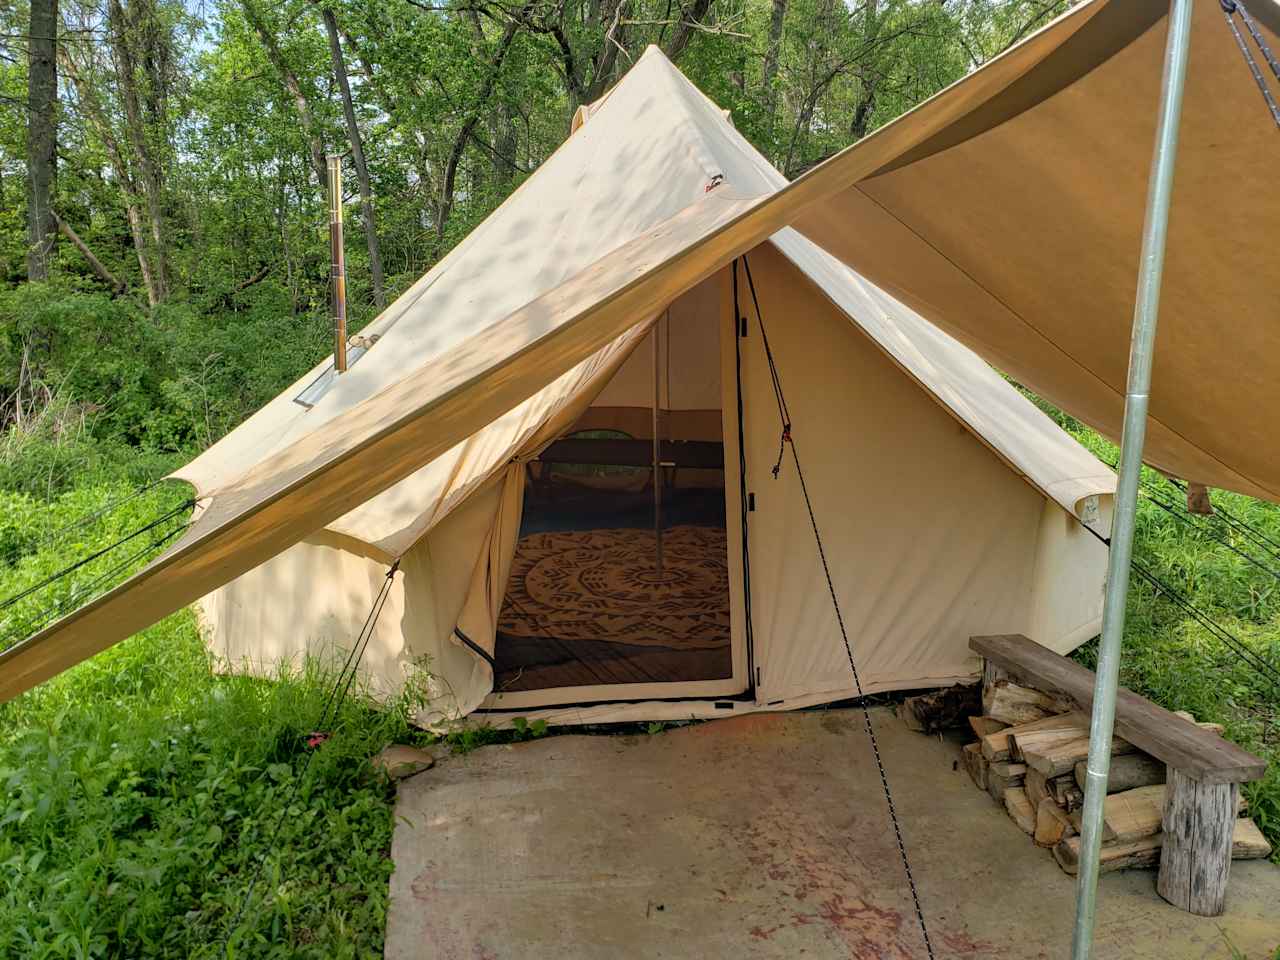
310, 601
930, 537
1071, 572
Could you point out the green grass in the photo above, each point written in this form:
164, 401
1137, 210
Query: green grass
139, 792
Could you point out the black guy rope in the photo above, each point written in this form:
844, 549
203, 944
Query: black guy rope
1229, 9
1260, 665
1241, 526
789, 440
112, 505
1182, 517
1151, 494
66, 571
330, 713
82, 593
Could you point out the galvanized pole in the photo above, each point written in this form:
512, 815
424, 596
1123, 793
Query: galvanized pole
1145, 313
337, 265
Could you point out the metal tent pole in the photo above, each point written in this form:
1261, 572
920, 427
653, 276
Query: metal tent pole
1145, 313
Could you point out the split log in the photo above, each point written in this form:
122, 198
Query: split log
1199, 821
1133, 814
1020, 809
1144, 853
1247, 841
1034, 782
991, 675
1056, 752
1053, 825
1069, 796
1062, 790
1003, 776
1127, 772
984, 725
976, 764
1015, 704
941, 709
995, 746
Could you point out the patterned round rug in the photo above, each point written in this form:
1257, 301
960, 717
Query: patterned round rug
605, 585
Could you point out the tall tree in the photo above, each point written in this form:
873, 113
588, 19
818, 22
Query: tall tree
772, 52
134, 37
42, 136
449, 183
95, 114
357, 155
301, 105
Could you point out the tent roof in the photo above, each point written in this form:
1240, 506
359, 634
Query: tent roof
1008, 210
657, 141
617, 224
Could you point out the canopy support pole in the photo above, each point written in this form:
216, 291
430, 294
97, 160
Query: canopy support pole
1141, 348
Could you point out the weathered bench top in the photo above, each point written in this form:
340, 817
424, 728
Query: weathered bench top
1198, 753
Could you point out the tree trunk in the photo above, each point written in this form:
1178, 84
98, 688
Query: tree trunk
105, 275
42, 136
867, 73
777, 19
449, 185
357, 154
97, 118
290, 80
683, 33
122, 27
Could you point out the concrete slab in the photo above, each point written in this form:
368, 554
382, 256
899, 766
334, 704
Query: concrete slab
761, 836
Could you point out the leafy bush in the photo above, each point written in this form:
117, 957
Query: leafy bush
140, 793
170, 380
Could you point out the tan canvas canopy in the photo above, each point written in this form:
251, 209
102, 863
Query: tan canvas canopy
1016, 226
949, 505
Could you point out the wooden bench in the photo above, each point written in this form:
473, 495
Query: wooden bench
1204, 770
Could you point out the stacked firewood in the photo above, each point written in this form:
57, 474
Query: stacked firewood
1030, 757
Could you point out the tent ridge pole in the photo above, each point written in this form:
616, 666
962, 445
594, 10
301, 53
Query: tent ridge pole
1141, 348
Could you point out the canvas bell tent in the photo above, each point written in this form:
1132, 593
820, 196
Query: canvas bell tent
545, 562
598, 437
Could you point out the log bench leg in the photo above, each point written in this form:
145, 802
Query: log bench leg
1196, 857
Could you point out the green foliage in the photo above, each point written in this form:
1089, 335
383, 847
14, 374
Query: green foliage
139, 791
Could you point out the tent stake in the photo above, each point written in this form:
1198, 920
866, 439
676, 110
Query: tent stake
1145, 313
337, 265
